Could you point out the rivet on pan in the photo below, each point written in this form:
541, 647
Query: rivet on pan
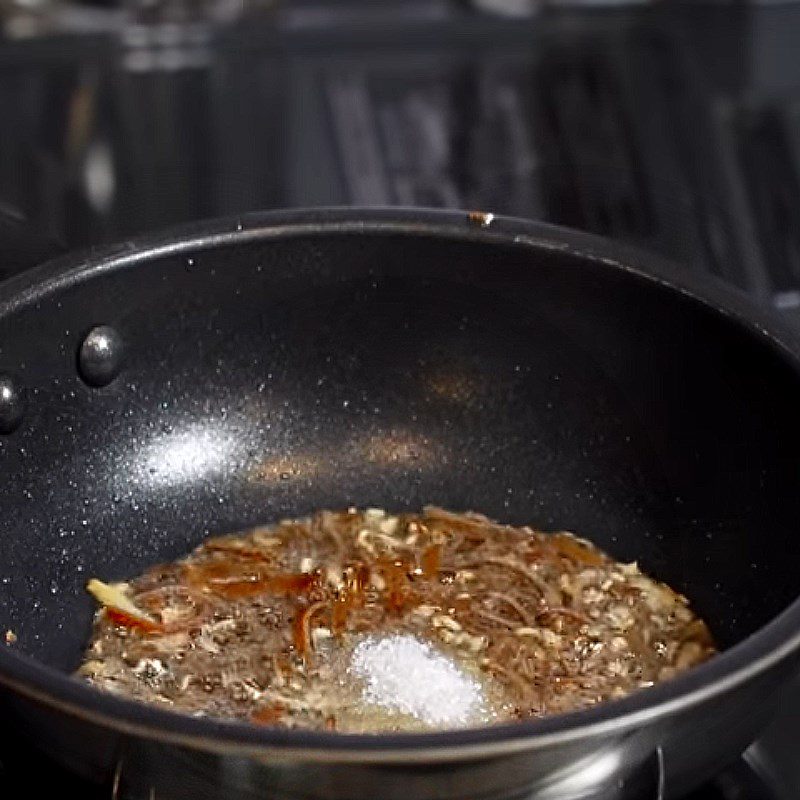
100, 356
11, 404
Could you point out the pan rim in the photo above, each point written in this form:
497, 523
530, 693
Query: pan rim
766, 648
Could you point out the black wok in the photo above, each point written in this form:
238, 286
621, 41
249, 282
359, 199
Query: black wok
287, 362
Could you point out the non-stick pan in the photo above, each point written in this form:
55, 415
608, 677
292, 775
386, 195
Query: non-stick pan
240, 372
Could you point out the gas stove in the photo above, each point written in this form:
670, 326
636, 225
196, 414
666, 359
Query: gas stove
673, 127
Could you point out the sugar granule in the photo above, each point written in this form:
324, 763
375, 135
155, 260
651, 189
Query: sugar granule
403, 674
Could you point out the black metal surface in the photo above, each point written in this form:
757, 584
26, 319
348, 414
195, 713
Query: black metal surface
285, 363
24, 774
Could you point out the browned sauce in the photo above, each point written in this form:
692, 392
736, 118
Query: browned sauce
258, 625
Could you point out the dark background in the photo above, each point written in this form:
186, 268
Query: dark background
676, 126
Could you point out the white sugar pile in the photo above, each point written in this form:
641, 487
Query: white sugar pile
402, 674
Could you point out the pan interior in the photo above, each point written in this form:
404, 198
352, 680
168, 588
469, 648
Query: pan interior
271, 378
